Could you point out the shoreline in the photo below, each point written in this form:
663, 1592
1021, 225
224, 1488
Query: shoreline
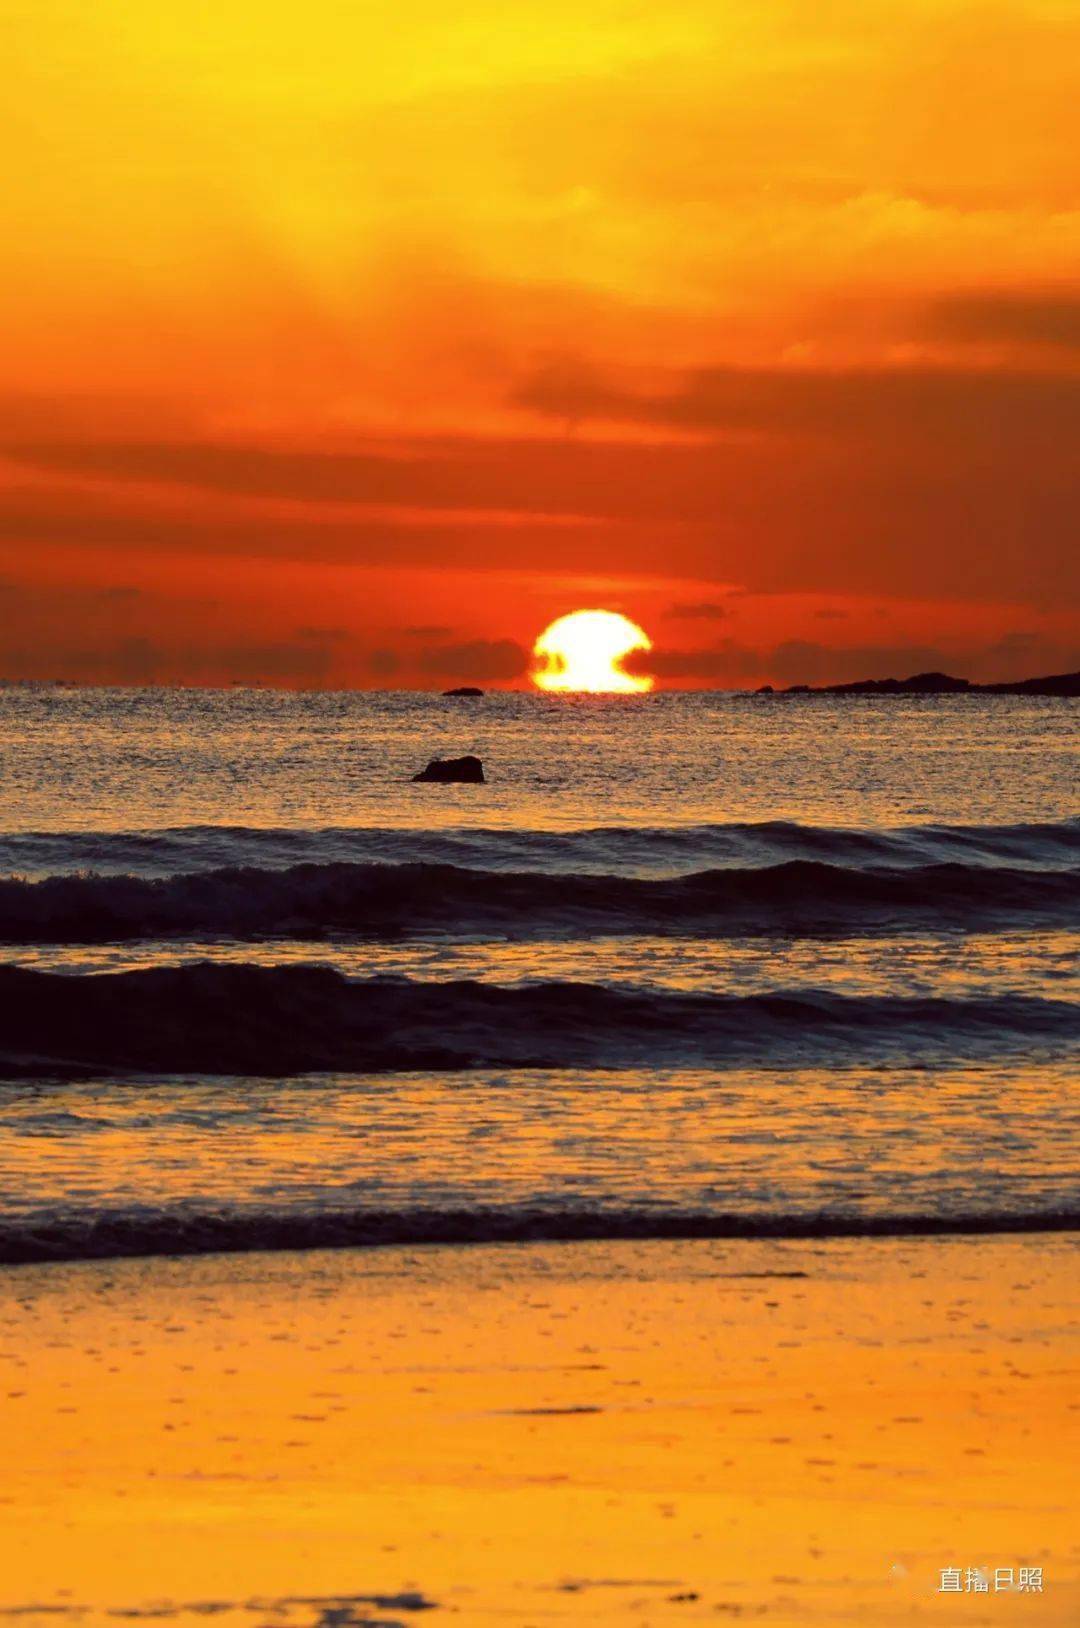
121, 1237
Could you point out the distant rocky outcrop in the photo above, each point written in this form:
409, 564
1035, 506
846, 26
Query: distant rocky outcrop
464, 690
1056, 684
448, 771
1060, 684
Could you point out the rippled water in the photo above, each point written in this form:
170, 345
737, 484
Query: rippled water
715, 959
1040, 964
118, 760
784, 1144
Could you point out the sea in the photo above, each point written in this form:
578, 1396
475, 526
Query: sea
684, 965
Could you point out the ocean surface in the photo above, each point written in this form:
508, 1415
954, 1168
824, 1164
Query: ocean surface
686, 964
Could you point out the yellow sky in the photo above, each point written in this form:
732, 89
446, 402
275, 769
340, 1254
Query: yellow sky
829, 252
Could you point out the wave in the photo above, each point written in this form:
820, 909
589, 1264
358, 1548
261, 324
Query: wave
213, 1018
116, 1234
655, 851
388, 901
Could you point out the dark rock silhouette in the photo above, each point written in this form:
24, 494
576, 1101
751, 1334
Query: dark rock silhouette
1056, 684
918, 684
1062, 684
445, 771
464, 690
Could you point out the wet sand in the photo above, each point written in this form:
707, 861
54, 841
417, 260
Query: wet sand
636, 1433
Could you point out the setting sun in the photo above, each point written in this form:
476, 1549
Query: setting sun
585, 651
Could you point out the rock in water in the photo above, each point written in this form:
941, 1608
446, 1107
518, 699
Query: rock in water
445, 771
464, 690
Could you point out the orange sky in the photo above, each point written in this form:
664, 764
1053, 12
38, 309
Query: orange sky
352, 343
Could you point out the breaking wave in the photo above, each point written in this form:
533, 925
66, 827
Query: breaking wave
122, 1233
227, 1019
617, 850
376, 900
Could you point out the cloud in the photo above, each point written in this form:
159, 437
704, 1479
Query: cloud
798, 661
730, 663
1034, 317
142, 661
907, 512
384, 663
51, 415
802, 661
252, 471
723, 663
59, 638
182, 525
915, 404
325, 635
1025, 654
479, 659
592, 295
706, 611
1016, 643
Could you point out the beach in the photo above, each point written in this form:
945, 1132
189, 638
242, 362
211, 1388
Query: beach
638, 1433
637, 1189
539, 819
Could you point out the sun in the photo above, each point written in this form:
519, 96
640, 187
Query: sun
585, 651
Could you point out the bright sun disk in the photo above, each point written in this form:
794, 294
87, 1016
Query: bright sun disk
585, 651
